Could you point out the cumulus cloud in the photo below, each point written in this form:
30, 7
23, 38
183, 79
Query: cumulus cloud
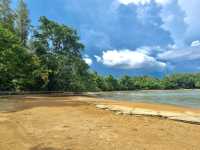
176, 55
87, 60
173, 17
181, 55
169, 29
182, 60
98, 58
112, 25
179, 17
144, 2
192, 11
195, 43
163, 2
137, 2
127, 59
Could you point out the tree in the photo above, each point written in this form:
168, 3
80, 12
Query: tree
17, 65
101, 83
126, 83
59, 50
22, 22
112, 83
6, 15
58, 39
53, 60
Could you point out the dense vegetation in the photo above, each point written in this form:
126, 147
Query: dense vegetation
49, 58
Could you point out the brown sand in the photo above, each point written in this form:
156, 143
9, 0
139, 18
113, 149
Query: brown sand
73, 123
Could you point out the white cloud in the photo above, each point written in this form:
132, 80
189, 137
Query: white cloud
173, 21
181, 55
163, 2
191, 8
180, 19
136, 2
98, 58
127, 59
88, 60
195, 43
172, 46
144, 2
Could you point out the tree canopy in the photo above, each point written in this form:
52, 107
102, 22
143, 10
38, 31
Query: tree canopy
22, 22
49, 58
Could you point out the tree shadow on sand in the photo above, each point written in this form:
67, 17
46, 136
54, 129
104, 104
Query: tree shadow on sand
40, 147
44, 148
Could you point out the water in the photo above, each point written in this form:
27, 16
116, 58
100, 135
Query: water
186, 98
7, 104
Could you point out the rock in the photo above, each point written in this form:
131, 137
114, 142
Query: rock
101, 106
188, 117
118, 113
147, 112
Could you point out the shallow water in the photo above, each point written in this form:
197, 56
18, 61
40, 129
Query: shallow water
22, 102
7, 104
186, 98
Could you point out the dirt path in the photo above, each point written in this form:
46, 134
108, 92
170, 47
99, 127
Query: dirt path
73, 123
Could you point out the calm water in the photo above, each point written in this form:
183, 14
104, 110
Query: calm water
7, 104
186, 98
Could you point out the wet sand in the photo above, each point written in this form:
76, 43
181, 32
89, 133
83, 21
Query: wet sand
74, 123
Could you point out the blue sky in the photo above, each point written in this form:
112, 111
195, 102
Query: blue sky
134, 37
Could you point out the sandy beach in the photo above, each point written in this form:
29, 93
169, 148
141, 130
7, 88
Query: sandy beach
74, 123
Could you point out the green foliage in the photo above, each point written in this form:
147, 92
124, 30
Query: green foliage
112, 84
59, 50
7, 16
22, 22
52, 61
180, 81
175, 81
16, 63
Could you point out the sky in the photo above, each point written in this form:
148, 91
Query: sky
130, 37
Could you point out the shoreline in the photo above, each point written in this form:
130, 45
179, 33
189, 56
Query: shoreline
64, 93
92, 98
74, 122
167, 111
150, 105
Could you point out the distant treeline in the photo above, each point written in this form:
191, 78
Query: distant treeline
48, 58
175, 81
